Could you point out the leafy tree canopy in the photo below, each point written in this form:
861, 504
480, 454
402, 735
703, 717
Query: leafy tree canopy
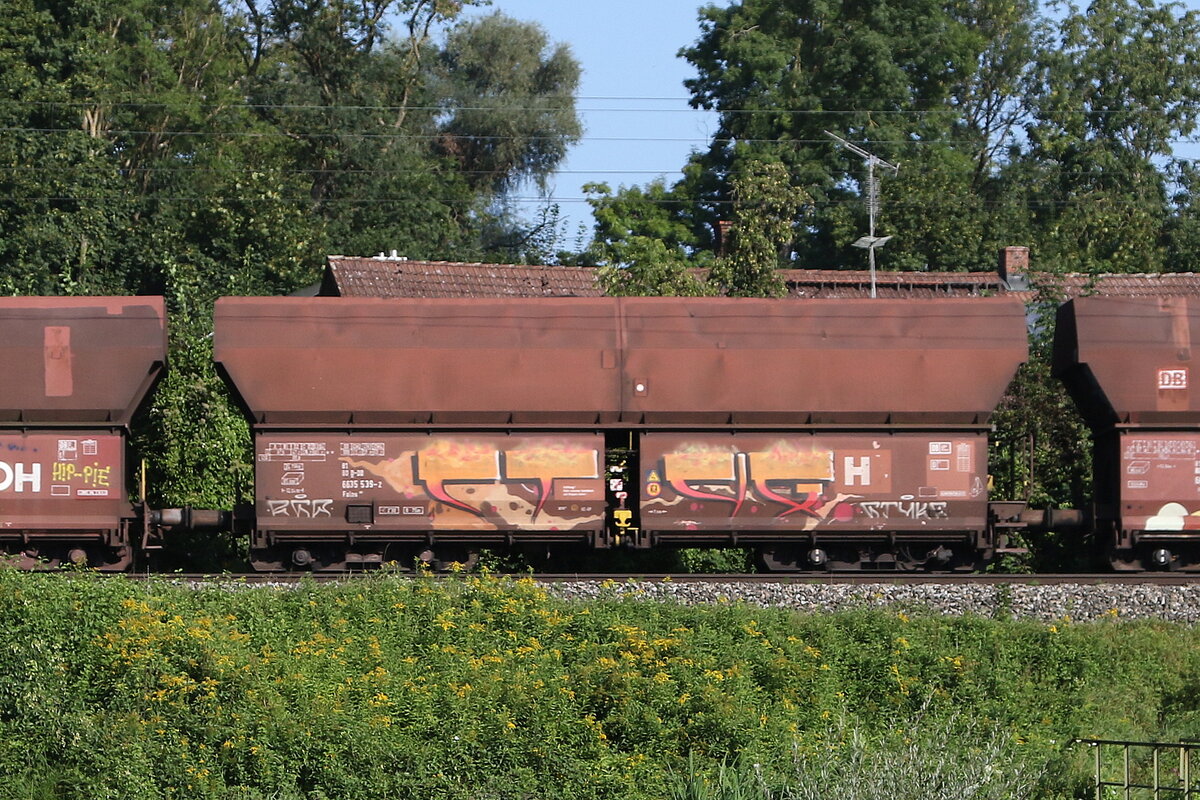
200, 148
1012, 124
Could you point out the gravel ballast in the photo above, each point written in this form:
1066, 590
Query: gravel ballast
1080, 602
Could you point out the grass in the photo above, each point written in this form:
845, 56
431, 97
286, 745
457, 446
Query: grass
487, 688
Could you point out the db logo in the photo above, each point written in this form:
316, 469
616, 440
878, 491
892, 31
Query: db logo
1172, 379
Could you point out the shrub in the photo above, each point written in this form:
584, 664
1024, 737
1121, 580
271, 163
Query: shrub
477, 687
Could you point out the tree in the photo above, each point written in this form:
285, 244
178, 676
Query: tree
509, 102
1114, 88
766, 209
939, 218
102, 100
348, 104
1183, 226
1040, 451
782, 72
987, 100
195, 149
1010, 127
648, 269
645, 242
653, 211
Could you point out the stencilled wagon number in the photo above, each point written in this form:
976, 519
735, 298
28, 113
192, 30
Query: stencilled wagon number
1172, 379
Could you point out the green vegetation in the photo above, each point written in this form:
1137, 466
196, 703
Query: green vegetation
1040, 452
485, 688
909, 761
1040, 124
196, 149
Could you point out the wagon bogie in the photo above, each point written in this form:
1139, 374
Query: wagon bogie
106, 551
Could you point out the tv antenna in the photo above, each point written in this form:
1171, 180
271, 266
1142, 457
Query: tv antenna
870, 241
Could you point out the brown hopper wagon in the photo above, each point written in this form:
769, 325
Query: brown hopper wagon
73, 370
1127, 363
827, 433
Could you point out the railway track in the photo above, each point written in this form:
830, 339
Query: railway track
832, 578
1049, 599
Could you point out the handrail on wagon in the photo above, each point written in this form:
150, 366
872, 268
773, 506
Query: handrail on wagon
1135, 778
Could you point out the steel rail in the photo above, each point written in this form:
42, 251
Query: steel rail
849, 578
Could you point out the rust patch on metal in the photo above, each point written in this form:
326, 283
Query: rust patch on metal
762, 362
638, 361
56, 360
1173, 386
493, 361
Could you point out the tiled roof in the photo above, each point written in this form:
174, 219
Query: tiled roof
1118, 285
1028, 287
398, 277
395, 277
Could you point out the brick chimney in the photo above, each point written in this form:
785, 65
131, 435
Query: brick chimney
1014, 263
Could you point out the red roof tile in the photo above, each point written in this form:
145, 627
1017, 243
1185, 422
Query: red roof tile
1119, 285
394, 277
398, 277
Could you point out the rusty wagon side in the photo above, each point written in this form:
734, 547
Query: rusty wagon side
1127, 363
843, 431
75, 369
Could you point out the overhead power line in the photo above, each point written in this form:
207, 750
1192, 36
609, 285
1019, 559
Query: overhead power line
885, 106
306, 200
439, 136
118, 171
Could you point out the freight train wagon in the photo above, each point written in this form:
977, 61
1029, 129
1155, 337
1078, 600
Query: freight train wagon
1126, 362
73, 370
842, 434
